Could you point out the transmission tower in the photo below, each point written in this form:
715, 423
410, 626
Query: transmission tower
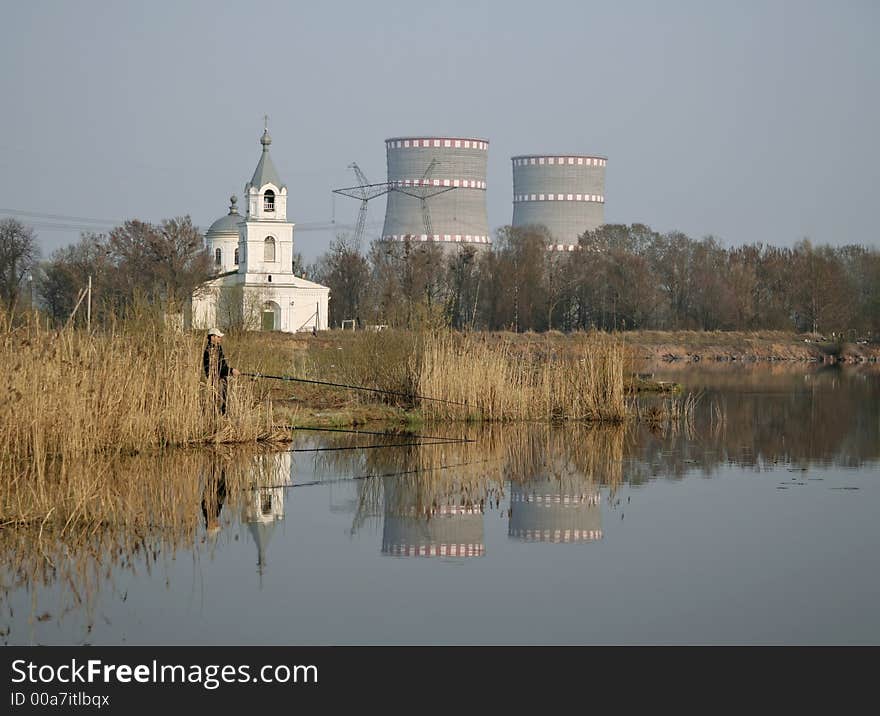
365, 192
424, 190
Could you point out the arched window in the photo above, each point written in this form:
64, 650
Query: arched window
235, 257
269, 200
269, 249
218, 257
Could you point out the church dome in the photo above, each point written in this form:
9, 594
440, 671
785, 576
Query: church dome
228, 224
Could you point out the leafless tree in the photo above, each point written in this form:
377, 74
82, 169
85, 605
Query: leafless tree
18, 254
165, 262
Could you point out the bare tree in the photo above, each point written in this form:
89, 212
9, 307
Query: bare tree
165, 262
67, 272
346, 272
18, 254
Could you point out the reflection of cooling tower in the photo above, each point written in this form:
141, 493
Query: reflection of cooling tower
449, 531
564, 193
457, 216
543, 511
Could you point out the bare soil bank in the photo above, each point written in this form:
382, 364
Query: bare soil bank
721, 346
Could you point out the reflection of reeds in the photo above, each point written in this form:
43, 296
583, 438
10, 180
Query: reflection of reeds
72, 394
500, 384
717, 418
670, 415
82, 521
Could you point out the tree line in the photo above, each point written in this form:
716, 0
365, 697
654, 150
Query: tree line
135, 263
619, 277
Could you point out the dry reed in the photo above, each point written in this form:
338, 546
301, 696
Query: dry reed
498, 383
671, 414
72, 394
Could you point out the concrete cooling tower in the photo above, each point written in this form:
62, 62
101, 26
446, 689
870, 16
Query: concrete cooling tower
565, 193
544, 511
439, 191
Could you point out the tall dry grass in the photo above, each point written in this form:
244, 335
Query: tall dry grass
498, 383
71, 394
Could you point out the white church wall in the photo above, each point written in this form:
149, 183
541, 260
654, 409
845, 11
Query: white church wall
204, 308
308, 310
227, 246
254, 262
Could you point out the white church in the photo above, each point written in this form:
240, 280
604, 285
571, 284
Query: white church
254, 287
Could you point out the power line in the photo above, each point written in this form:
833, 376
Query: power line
66, 222
61, 217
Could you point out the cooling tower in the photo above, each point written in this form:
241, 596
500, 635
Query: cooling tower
564, 193
545, 511
456, 216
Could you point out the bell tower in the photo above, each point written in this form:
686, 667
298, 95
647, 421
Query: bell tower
267, 237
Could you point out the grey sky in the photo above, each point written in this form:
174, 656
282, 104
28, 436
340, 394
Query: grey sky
753, 121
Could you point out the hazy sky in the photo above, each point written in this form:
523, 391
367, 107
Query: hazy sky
752, 121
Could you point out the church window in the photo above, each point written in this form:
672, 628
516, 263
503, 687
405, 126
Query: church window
235, 259
218, 257
269, 200
269, 249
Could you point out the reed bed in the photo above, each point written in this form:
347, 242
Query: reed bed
498, 383
73, 394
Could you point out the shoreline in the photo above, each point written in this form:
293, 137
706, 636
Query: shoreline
739, 347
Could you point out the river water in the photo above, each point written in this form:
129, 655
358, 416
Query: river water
753, 522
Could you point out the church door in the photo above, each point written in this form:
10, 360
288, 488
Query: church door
268, 320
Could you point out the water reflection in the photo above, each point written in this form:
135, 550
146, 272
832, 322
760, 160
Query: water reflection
263, 504
446, 530
126, 522
149, 509
213, 496
545, 511
761, 418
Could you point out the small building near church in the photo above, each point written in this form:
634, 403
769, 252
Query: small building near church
255, 287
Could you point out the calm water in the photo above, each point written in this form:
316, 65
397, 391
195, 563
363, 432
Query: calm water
757, 523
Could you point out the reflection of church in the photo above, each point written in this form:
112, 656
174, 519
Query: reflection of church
254, 286
410, 530
545, 510
264, 501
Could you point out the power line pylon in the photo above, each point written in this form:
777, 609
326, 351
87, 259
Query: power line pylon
424, 189
365, 192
